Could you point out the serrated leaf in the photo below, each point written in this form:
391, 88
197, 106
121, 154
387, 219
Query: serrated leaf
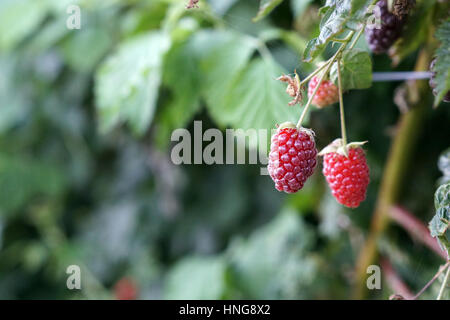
439, 225
196, 278
185, 100
442, 66
127, 83
256, 100
442, 196
210, 61
266, 7
356, 70
222, 55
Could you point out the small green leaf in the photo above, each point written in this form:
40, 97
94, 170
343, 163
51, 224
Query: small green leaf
439, 225
127, 83
266, 7
356, 70
442, 196
442, 66
337, 16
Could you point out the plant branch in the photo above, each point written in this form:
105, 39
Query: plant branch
444, 283
312, 74
398, 158
341, 106
358, 35
429, 283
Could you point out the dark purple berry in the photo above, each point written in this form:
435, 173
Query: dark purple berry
381, 39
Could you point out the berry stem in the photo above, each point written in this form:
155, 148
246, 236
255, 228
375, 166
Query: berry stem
358, 35
305, 110
313, 73
341, 106
429, 283
326, 68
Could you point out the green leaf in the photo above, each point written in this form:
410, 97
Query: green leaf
185, 100
266, 7
337, 16
222, 55
442, 66
439, 225
196, 278
255, 266
442, 196
18, 19
256, 100
94, 40
127, 83
415, 32
356, 70
209, 61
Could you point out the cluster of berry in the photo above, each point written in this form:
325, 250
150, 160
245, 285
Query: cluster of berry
293, 158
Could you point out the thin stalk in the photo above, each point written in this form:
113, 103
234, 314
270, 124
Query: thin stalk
358, 35
305, 110
444, 284
442, 269
341, 105
327, 67
313, 73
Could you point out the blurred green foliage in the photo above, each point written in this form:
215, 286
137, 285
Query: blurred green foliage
85, 171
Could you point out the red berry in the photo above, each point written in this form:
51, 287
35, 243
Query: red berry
292, 158
347, 177
327, 93
125, 289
